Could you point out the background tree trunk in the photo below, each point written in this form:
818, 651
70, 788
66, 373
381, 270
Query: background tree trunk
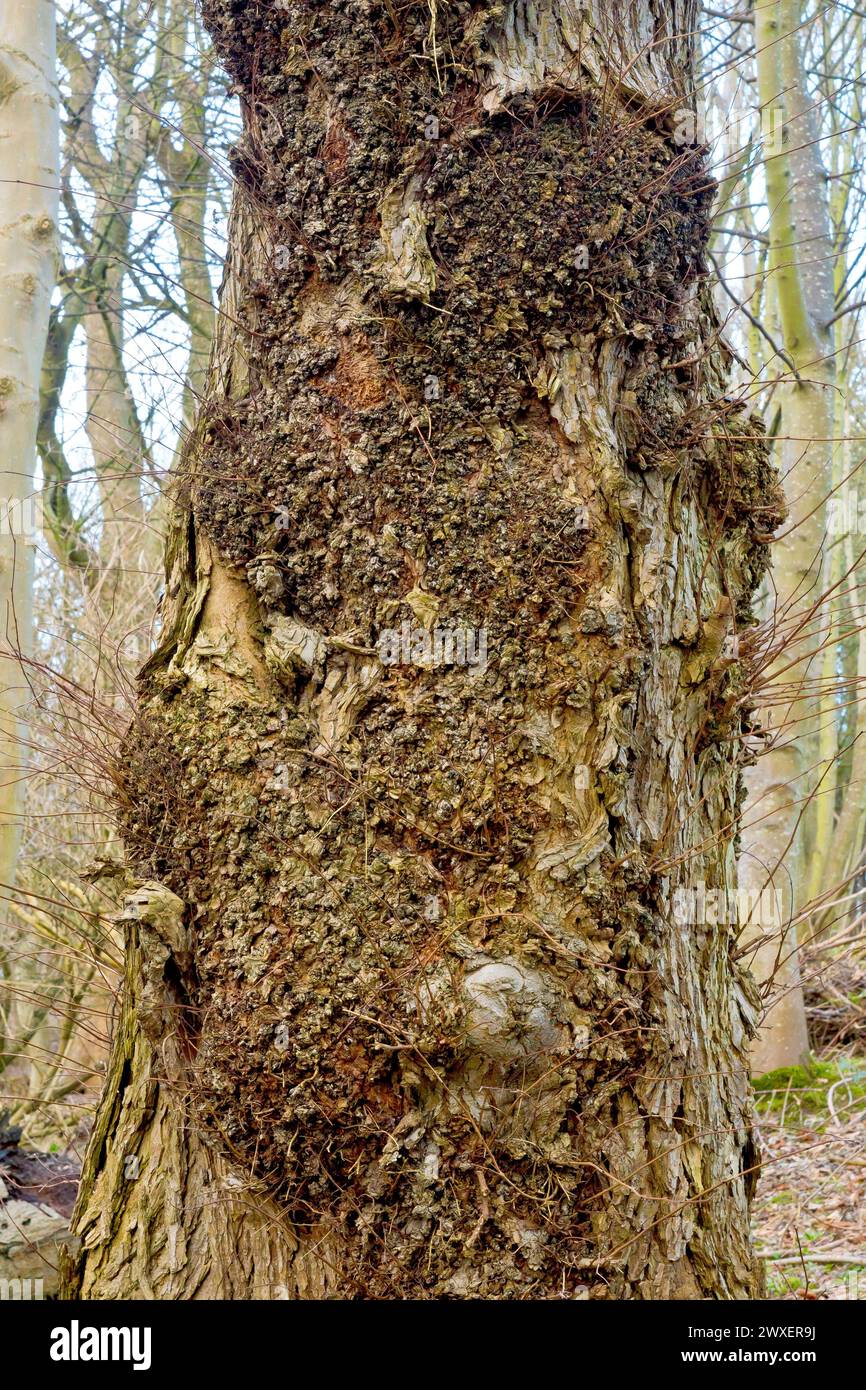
790, 811
409, 1010
29, 126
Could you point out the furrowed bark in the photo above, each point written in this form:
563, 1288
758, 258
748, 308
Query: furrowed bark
405, 967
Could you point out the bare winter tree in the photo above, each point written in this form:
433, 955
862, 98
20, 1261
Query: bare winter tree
442, 744
127, 349
783, 79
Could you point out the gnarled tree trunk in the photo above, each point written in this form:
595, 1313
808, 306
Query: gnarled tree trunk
409, 1010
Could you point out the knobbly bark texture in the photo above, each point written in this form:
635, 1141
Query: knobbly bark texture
408, 1012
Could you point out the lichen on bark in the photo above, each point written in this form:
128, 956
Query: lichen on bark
439, 1009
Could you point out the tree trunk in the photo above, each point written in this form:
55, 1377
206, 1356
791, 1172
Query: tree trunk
409, 1011
789, 813
28, 262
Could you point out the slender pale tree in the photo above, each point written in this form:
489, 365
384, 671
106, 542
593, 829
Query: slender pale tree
797, 837
29, 123
773, 846
437, 764
786, 248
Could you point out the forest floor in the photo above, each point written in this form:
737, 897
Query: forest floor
810, 1211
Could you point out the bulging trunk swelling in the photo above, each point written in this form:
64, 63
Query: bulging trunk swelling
409, 1011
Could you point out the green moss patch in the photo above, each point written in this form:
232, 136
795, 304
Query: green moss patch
797, 1092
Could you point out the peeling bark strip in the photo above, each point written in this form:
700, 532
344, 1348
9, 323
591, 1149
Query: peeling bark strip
422, 996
